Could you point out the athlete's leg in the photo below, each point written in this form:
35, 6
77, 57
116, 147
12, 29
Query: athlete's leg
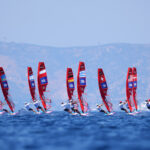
72, 109
6, 110
42, 109
103, 111
30, 109
124, 110
68, 110
39, 107
148, 107
76, 110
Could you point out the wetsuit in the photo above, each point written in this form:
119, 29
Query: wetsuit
74, 107
28, 107
66, 107
148, 105
5, 110
37, 105
100, 109
122, 107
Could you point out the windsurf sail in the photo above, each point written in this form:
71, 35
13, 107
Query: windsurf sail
70, 83
81, 85
134, 75
129, 89
42, 86
5, 89
104, 90
31, 83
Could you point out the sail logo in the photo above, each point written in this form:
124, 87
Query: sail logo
82, 81
3, 77
43, 71
82, 74
130, 84
5, 85
43, 80
71, 85
31, 77
71, 80
135, 84
32, 83
104, 85
102, 78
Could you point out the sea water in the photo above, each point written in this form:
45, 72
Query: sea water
61, 131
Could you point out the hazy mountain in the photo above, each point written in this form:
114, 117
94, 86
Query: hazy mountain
113, 58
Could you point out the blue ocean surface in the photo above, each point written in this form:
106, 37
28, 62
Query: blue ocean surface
61, 131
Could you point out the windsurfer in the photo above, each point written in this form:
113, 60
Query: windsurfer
3, 109
74, 107
99, 108
28, 108
66, 107
148, 103
37, 105
121, 105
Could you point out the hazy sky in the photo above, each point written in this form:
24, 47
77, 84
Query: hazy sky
75, 22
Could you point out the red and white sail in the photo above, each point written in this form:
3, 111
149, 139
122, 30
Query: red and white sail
5, 89
81, 85
31, 83
104, 89
134, 75
70, 83
42, 85
129, 89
